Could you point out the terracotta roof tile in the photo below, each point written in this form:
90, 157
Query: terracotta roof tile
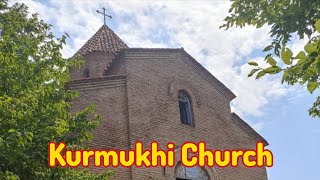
104, 40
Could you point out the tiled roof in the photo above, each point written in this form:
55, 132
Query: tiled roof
104, 40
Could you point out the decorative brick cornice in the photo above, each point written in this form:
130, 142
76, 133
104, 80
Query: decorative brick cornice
97, 83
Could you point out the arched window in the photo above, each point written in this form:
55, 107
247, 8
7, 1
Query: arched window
184, 173
86, 73
185, 108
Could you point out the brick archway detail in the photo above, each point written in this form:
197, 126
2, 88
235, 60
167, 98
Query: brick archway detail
176, 85
211, 171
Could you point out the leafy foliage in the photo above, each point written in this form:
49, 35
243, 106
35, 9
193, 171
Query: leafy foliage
34, 102
286, 18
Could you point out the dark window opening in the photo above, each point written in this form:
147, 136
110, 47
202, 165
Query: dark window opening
86, 73
185, 109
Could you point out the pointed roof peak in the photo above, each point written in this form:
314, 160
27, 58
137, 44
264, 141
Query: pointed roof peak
104, 40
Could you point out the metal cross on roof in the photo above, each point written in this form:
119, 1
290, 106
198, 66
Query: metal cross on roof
104, 15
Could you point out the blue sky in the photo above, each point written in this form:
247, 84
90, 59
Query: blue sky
294, 140
276, 111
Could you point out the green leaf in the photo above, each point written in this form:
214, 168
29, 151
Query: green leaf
260, 74
312, 85
251, 63
252, 72
12, 130
285, 75
317, 25
30, 136
306, 76
306, 65
259, 25
271, 70
301, 55
268, 48
309, 48
271, 61
286, 55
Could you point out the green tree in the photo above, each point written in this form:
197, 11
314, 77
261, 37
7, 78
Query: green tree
286, 18
34, 101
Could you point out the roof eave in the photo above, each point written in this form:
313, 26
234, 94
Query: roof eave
248, 129
218, 84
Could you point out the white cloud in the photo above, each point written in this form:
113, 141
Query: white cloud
192, 24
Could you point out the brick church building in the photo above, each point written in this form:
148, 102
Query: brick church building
163, 95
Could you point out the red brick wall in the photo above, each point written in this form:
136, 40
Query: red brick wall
144, 107
154, 78
109, 96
